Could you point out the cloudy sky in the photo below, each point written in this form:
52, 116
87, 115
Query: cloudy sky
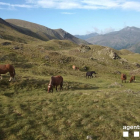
75, 16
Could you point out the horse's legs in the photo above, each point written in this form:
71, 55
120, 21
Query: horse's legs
61, 88
56, 88
10, 78
0, 77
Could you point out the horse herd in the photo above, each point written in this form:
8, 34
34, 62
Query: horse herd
124, 77
55, 80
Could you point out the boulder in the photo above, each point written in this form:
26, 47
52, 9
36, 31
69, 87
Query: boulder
113, 55
84, 48
136, 64
6, 43
110, 52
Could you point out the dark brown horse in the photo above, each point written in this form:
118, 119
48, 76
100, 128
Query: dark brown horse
7, 68
89, 74
54, 82
123, 77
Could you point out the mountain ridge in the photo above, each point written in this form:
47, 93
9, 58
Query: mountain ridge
45, 33
123, 39
86, 36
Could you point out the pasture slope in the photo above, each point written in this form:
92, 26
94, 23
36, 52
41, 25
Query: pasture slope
99, 106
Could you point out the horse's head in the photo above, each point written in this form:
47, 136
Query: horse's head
50, 87
93, 72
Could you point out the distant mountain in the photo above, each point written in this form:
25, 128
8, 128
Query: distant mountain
42, 32
127, 38
84, 37
135, 48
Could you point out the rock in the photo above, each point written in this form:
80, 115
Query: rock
89, 137
108, 51
84, 48
135, 72
115, 85
116, 72
6, 43
136, 64
16, 48
113, 55
47, 57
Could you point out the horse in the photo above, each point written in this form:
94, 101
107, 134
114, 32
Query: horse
7, 68
132, 79
89, 73
123, 77
75, 68
54, 82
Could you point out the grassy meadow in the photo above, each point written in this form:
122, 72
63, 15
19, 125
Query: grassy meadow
99, 106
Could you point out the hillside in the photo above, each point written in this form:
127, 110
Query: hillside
9, 32
98, 106
123, 39
44, 33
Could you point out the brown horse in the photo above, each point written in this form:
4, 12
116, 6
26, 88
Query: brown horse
7, 68
123, 77
54, 82
132, 79
75, 68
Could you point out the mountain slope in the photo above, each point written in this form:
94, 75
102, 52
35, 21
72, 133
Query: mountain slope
84, 37
67, 36
45, 33
123, 39
9, 32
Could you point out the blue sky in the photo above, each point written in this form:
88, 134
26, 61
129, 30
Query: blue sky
75, 16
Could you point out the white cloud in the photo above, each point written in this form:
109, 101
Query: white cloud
131, 5
101, 4
12, 6
57, 4
67, 13
77, 4
108, 30
96, 30
104, 31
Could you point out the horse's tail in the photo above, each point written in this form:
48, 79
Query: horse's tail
14, 72
62, 82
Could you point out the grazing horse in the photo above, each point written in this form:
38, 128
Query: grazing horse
132, 79
7, 68
89, 73
123, 77
75, 68
54, 82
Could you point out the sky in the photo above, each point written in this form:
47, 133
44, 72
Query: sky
78, 17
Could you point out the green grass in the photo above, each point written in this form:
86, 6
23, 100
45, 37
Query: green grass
99, 106
69, 114
28, 111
